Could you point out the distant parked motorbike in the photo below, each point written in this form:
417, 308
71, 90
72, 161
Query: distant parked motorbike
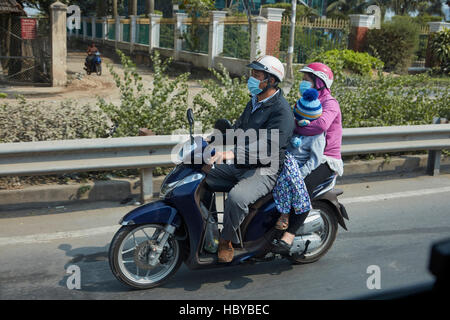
157, 237
95, 65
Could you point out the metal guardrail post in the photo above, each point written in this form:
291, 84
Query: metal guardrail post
434, 156
146, 185
434, 162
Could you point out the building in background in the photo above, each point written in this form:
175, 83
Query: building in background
10, 42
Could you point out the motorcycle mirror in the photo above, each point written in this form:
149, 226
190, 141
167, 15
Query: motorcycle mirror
190, 117
222, 125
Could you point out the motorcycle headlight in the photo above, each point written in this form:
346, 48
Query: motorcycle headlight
167, 188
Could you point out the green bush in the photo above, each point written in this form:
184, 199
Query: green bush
357, 62
228, 98
162, 108
440, 48
236, 41
425, 18
390, 101
31, 121
309, 42
395, 43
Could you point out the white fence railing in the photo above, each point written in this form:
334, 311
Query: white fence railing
148, 152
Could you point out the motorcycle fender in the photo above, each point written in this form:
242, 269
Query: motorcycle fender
153, 212
339, 209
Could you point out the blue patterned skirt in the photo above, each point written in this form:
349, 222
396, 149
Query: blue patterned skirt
290, 190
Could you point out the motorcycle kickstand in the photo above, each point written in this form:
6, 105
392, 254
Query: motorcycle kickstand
302, 255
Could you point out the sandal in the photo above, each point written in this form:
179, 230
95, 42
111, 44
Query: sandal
281, 247
283, 222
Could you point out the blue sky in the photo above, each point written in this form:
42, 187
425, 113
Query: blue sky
31, 11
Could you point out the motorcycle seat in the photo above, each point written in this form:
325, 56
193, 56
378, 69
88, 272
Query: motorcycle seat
325, 186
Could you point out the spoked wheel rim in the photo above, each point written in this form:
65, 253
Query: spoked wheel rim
324, 234
132, 263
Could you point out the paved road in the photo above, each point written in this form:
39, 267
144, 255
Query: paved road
393, 224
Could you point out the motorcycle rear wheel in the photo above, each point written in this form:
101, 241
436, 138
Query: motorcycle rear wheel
328, 234
123, 255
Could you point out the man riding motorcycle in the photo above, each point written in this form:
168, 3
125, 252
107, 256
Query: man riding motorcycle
252, 175
91, 51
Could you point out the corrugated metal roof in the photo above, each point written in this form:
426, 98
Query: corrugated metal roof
10, 6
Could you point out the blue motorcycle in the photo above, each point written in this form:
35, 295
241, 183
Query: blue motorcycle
157, 237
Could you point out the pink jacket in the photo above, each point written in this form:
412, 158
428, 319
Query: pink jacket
330, 122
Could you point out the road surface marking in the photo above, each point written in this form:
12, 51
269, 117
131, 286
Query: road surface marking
47, 237
396, 195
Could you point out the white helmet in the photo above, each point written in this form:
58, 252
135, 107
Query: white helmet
269, 64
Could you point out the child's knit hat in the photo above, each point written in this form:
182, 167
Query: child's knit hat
308, 106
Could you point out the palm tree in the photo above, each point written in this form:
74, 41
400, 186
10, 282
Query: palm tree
404, 7
342, 8
432, 7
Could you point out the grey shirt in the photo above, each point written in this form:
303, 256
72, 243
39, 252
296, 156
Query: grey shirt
309, 154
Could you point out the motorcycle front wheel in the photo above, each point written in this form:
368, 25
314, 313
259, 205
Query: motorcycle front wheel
130, 256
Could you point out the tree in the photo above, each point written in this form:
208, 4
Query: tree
404, 7
195, 9
149, 6
342, 8
431, 7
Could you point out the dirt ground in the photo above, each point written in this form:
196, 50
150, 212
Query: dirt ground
83, 88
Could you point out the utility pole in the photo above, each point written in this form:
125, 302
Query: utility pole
290, 53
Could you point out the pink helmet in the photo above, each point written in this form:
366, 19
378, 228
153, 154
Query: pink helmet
320, 70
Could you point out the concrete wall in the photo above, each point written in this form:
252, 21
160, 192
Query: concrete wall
196, 59
233, 65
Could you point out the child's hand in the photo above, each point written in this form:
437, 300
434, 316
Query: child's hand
303, 123
296, 141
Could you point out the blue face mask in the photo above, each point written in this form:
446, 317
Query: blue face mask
253, 86
304, 85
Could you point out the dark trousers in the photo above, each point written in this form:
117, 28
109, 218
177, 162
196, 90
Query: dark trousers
90, 62
319, 175
245, 186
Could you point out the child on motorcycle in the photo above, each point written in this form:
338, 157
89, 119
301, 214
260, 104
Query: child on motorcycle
303, 155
